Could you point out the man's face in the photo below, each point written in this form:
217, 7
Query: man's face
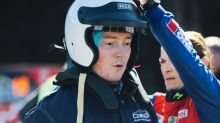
114, 53
170, 75
215, 60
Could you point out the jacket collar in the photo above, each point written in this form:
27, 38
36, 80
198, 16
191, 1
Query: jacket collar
174, 95
95, 84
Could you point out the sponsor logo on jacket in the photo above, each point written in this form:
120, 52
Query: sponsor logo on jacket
183, 113
172, 119
141, 115
173, 26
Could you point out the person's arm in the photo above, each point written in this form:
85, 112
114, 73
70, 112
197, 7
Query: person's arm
199, 82
159, 103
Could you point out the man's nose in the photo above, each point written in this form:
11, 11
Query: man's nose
120, 51
169, 69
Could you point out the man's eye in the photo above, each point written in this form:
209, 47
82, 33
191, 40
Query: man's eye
109, 44
162, 61
128, 43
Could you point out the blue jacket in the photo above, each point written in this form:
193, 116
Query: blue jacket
199, 81
101, 103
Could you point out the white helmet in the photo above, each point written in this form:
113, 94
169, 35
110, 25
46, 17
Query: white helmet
84, 16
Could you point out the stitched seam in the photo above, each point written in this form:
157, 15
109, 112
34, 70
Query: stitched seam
28, 114
47, 114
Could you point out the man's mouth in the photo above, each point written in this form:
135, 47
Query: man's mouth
170, 78
118, 65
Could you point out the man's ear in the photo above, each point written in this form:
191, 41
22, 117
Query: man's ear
205, 60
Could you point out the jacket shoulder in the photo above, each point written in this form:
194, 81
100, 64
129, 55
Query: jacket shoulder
51, 108
38, 115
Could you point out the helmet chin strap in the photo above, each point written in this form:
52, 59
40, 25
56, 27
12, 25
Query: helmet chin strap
80, 98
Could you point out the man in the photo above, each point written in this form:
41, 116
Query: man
213, 43
101, 38
198, 80
176, 106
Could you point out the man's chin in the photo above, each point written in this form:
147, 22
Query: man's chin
169, 87
116, 77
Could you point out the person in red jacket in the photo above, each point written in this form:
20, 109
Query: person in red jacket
176, 106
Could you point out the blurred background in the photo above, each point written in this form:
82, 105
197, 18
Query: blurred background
28, 27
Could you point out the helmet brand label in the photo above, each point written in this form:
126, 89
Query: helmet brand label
98, 28
129, 29
124, 6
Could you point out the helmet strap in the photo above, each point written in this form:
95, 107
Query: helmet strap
80, 97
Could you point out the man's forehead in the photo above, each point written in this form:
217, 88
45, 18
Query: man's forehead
117, 34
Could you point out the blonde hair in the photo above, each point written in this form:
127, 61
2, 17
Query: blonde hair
199, 44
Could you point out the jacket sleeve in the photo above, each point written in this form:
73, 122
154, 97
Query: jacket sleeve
159, 103
37, 115
199, 82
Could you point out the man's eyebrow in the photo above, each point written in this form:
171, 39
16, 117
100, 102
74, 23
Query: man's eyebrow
129, 37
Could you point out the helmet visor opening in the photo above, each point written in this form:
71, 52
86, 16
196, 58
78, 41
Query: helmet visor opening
119, 29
